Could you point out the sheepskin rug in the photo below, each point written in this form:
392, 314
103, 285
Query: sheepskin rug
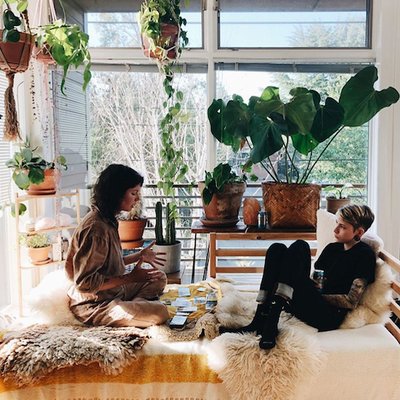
251, 373
28, 355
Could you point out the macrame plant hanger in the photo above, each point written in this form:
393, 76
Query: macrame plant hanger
43, 62
14, 58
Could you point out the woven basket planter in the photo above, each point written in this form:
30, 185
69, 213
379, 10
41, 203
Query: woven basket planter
291, 205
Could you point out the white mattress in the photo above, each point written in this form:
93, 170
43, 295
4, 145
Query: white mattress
360, 364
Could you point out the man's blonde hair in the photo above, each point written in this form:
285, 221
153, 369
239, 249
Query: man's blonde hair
357, 216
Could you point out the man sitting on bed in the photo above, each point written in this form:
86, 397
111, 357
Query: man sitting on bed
103, 294
348, 265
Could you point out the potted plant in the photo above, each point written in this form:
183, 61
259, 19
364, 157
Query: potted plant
275, 130
67, 45
16, 43
338, 197
32, 172
131, 224
38, 246
222, 193
168, 245
161, 30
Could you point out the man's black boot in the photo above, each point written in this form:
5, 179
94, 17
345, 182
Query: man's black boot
269, 330
255, 325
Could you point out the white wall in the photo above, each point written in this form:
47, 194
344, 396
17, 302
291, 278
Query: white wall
385, 143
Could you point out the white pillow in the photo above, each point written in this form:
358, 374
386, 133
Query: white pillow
49, 301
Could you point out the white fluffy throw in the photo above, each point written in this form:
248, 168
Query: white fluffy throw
32, 353
251, 373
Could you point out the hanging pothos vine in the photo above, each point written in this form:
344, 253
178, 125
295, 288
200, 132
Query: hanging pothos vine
163, 39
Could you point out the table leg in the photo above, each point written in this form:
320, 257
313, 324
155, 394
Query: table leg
207, 261
194, 257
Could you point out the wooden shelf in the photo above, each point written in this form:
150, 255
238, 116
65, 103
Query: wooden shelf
33, 199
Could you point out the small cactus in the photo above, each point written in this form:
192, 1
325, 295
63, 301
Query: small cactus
170, 231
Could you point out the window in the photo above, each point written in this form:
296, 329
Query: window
125, 110
121, 29
345, 160
292, 23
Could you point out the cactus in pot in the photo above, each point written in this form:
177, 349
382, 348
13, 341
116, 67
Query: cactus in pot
168, 244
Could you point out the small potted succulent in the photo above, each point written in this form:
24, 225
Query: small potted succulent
38, 245
32, 172
222, 193
131, 224
338, 197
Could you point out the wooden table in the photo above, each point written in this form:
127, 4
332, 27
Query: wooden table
240, 227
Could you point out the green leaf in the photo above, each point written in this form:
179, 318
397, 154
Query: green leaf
327, 120
270, 93
361, 101
22, 6
266, 138
304, 143
301, 111
21, 179
207, 196
36, 175
27, 154
21, 209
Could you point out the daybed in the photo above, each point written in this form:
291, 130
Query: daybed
362, 363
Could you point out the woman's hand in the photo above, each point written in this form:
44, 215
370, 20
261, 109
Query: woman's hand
145, 274
147, 255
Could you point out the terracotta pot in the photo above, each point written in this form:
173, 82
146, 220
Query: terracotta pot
223, 209
131, 231
39, 255
332, 204
291, 205
251, 208
43, 55
168, 40
15, 56
48, 186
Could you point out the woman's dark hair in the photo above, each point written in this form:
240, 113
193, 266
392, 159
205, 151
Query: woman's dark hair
111, 186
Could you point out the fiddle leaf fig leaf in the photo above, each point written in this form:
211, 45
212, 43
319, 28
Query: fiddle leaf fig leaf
361, 101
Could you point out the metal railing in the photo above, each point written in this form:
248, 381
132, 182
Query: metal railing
189, 204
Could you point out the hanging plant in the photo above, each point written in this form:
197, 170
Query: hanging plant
16, 42
68, 46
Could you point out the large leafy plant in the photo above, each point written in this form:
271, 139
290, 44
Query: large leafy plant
276, 130
68, 46
29, 167
216, 180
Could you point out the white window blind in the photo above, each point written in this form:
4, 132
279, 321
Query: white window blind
71, 120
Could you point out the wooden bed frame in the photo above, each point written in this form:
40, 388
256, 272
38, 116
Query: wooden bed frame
217, 251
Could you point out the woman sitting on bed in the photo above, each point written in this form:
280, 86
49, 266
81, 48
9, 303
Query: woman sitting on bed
103, 294
348, 265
